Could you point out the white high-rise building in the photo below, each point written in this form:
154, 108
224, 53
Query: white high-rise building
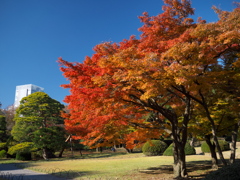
25, 90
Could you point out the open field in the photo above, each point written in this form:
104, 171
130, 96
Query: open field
121, 166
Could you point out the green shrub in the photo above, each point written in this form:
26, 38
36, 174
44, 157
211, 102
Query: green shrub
3, 145
227, 172
22, 147
3, 154
224, 145
154, 148
23, 156
189, 150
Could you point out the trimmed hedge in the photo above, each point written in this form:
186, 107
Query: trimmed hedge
3, 154
224, 145
189, 150
22, 147
154, 148
23, 156
226, 172
3, 145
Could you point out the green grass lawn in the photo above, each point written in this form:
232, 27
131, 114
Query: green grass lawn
114, 165
127, 165
117, 165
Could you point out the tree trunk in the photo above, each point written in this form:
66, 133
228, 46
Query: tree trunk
179, 166
179, 141
192, 141
45, 153
219, 150
214, 134
99, 149
212, 151
233, 144
61, 153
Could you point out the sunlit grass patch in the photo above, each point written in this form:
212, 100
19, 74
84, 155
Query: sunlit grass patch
102, 165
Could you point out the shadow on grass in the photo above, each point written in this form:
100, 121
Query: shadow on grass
73, 174
195, 169
90, 156
5, 161
163, 169
58, 172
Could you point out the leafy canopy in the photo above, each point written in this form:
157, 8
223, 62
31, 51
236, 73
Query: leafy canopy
38, 121
174, 62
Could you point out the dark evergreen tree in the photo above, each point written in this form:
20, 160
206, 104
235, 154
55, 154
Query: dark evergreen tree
38, 120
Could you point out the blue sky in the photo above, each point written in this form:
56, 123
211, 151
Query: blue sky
34, 33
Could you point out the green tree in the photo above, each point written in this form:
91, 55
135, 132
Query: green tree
50, 140
3, 129
9, 113
38, 115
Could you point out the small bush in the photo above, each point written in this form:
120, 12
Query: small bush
189, 150
3, 145
154, 148
22, 147
23, 156
224, 145
226, 172
3, 154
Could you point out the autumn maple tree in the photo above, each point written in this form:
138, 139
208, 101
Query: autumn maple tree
214, 47
171, 68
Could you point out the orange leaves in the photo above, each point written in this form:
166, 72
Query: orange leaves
94, 112
173, 59
159, 31
230, 37
181, 9
140, 136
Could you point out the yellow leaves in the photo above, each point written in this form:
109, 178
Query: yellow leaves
151, 92
221, 102
183, 53
230, 37
147, 85
180, 80
204, 30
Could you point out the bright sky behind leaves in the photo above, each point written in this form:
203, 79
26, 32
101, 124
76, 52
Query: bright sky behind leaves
34, 33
